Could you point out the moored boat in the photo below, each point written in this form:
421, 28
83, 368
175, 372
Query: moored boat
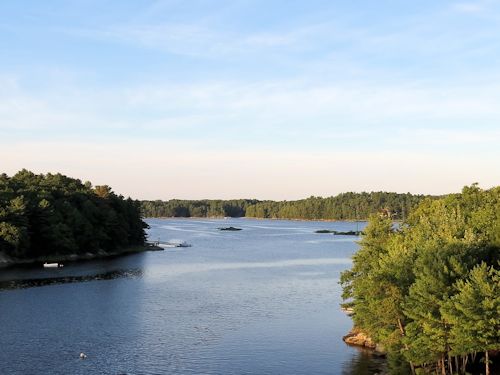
52, 265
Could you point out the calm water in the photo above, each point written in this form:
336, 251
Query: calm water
264, 300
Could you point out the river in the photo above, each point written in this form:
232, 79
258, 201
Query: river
263, 300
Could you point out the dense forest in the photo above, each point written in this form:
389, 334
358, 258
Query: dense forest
428, 291
347, 206
196, 208
48, 215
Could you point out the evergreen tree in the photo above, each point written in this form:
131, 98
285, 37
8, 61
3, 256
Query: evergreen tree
52, 214
474, 313
434, 279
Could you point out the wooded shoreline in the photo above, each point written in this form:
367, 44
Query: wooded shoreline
342, 207
428, 291
7, 262
53, 217
262, 218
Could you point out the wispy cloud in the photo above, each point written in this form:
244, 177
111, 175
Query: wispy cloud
286, 96
471, 6
259, 113
205, 41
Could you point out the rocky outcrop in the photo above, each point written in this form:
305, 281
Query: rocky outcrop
358, 338
348, 310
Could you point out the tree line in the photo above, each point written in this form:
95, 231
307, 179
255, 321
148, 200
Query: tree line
52, 214
196, 208
429, 290
346, 206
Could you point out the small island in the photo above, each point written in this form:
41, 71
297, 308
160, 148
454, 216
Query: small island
340, 233
230, 228
54, 218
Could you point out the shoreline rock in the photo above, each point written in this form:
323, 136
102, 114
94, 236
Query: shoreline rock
356, 337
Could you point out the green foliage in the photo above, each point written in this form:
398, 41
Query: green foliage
430, 289
202, 208
45, 215
474, 311
348, 206
375, 294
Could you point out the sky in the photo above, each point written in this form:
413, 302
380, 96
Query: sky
279, 99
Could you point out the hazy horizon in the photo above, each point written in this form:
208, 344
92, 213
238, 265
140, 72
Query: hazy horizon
228, 197
235, 99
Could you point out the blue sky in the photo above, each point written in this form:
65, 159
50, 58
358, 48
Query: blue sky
266, 99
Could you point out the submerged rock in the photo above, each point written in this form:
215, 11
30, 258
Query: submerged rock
340, 233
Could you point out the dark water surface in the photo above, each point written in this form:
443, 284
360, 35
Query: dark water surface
264, 300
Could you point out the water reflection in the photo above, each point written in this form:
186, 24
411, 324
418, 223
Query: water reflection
365, 363
29, 283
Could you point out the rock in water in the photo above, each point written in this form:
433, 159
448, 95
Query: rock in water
358, 338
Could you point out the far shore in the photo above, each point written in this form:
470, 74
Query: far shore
6, 261
256, 218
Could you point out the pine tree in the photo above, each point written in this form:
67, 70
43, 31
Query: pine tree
474, 313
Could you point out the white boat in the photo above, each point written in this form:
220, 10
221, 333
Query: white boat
52, 265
